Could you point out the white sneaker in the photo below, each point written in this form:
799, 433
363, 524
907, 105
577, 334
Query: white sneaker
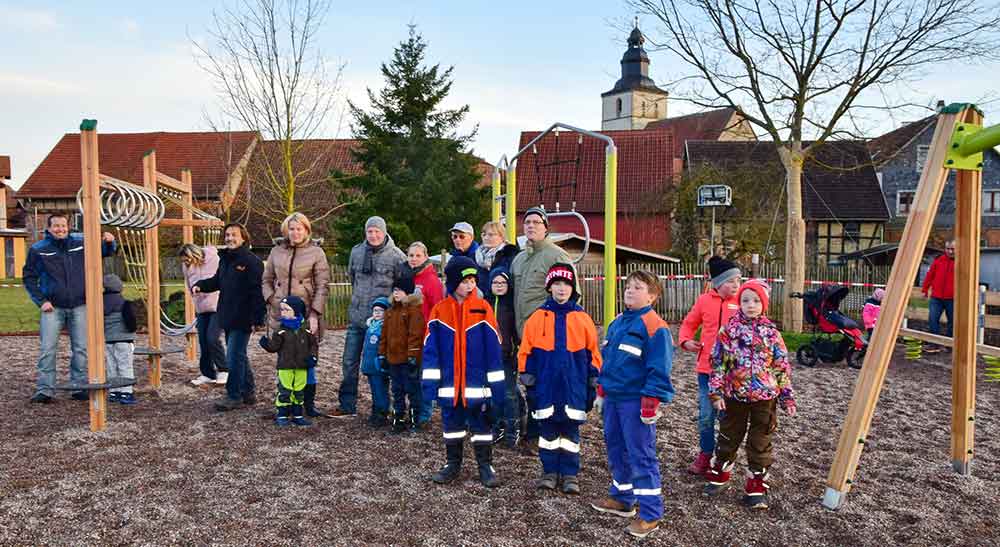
221, 377
202, 380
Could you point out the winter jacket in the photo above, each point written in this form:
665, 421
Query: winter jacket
940, 279
469, 253
529, 269
503, 259
710, 312
503, 309
429, 285
203, 302
238, 280
461, 361
369, 353
559, 349
119, 318
305, 270
870, 313
638, 357
55, 270
403, 331
294, 348
750, 362
387, 263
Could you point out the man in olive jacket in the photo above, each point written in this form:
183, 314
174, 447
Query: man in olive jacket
372, 266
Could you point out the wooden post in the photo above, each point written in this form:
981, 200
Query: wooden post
95, 272
188, 237
968, 202
904, 271
152, 275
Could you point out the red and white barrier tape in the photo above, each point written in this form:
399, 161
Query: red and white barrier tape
683, 277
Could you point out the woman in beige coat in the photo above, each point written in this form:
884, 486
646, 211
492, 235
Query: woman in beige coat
298, 266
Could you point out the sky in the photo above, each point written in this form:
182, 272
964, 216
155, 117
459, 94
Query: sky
519, 65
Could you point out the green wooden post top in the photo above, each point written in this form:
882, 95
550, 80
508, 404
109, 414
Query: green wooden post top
955, 108
88, 125
148, 152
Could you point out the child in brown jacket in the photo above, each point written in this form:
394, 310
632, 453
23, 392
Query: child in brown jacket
400, 349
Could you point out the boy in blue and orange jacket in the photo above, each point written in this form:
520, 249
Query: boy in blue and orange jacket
462, 369
638, 356
559, 363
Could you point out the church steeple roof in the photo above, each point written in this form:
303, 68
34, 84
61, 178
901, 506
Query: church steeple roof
635, 66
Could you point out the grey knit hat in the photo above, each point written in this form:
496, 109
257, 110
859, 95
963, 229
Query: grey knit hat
112, 283
377, 222
722, 270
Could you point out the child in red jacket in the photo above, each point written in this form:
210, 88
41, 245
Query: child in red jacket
711, 312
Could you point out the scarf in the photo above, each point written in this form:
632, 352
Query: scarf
368, 266
485, 256
292, 324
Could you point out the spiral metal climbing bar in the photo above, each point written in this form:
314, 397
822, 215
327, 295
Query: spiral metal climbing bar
125, 205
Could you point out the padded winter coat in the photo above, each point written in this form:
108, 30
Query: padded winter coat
870, 313
387, 263
304, 272
203, 302
238, 280
503, 309
55, 270
638, 357
403, 331
940, 279
710, 312
294, 348
369, 353
529, 269
430, 287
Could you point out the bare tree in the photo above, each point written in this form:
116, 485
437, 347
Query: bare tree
272, 78
806, 72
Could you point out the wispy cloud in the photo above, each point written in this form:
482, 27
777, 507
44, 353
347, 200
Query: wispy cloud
20, 84
30, 20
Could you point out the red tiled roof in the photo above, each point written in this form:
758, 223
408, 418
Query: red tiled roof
702, 126
5, 168
210, 156
838, 181
645, 168
883, 148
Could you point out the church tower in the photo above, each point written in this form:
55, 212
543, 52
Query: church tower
635, 100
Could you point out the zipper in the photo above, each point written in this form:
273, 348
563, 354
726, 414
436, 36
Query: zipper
291, 267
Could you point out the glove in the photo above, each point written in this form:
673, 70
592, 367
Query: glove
599, 401
527, 380
383, 366
311, 361
412, 361
650, 410
264, 343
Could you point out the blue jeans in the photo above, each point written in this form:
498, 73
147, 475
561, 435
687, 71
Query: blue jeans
707, 415
513, 404
49, 326
379, 385
935, 307
354, 342
405, 385
211, 354
240, 383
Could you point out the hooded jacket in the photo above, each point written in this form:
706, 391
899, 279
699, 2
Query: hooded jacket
387, 263
503, 259
430, 287
559, 349
503, 309
638, 357
710, 312
294, 348
750, 362
119, 316
238, 280
403, 331
301, 271
940, 278
369, 353
461, 360
529, 269
203, 302
55, 270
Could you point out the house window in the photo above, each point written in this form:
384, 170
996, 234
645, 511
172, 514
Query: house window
852, 230
991, 202
922, 150
904, 200
618, 107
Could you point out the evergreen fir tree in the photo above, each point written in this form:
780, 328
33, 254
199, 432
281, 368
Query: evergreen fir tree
418, 172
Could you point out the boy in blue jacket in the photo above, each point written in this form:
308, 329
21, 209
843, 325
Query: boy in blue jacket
371, 366
635, 379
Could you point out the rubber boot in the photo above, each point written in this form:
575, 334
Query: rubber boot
297, 417
484, 458
281, 419
309, 396
453, 465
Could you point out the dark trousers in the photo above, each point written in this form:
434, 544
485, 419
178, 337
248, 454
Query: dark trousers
457, 422
354, 342
405, 380
935, 307
753, 421
211, 354
240, 383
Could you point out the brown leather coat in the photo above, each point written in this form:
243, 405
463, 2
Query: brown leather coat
403, 331
303, 269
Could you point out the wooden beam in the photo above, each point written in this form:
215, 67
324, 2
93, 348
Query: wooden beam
981, 349
197, 223
872, 376
174, 184
968, 202
152, 274
923, 314
188, 237
93, 263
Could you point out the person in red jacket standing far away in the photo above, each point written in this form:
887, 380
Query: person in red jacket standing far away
939, 285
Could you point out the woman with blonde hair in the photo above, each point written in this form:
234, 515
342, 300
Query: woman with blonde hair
297, 266
495, 252
200, 263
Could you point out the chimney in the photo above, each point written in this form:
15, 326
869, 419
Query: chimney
3, 206
940, 106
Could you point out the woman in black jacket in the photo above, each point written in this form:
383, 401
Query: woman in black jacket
241, 308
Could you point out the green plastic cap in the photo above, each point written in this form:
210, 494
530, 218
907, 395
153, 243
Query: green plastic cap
148, 152
88, 125
955, 108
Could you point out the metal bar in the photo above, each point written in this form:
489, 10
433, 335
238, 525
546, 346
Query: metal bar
977, 142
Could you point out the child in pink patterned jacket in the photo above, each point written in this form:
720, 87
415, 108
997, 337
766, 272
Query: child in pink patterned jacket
751, 375
872, 309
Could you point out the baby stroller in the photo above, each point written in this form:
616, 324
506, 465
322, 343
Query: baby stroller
821, 309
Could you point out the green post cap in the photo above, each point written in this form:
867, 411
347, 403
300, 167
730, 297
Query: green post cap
148, 152
955, 108
88, 125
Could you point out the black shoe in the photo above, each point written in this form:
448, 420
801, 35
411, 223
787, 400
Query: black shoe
250, 399
512, 438
309, 396
400, 425
40, 398
484, 458
451, 469
80, 396
378, 421
226, 404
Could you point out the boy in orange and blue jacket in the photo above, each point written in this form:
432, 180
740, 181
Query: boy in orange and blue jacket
559, 363
462, 369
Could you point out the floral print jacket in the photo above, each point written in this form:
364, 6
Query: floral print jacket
750, 362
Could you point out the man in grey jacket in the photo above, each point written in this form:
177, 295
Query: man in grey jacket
372, 266
532, 264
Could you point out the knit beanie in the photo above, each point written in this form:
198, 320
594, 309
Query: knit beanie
458, 268
377, 222
879, 294
561, 271
381, 302
541, 214
722, 270
297, 305
404, 282
112, 283
762, 289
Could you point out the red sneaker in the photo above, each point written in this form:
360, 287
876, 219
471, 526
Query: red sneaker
756, 491
701, 464
717, 478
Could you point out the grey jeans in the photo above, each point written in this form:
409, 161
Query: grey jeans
118, 363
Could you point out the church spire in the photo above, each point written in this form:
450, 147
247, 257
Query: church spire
635, 65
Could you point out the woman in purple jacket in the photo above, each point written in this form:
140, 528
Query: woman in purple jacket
200, 263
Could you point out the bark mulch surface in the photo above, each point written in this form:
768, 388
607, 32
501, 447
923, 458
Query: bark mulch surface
171, 470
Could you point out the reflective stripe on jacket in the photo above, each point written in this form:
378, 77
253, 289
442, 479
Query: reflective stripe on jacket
638, 357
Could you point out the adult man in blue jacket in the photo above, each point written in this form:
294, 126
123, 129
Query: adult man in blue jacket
54, 276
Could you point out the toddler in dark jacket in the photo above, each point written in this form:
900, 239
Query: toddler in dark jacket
119, 340
297, 351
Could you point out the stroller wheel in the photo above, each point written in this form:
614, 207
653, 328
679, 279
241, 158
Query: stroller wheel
855, 359
806, 356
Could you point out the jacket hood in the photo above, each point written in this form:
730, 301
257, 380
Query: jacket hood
112, 283
413, 299
570, 305
503, 271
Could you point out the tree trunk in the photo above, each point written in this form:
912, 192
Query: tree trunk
795, 239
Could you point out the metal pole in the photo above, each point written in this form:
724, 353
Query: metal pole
711, 241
